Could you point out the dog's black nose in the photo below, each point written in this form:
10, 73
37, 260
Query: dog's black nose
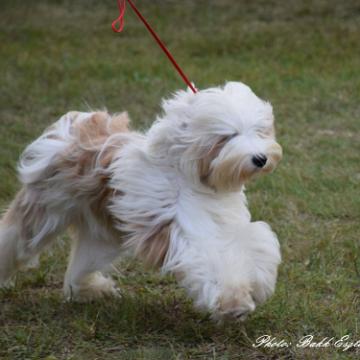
259, 160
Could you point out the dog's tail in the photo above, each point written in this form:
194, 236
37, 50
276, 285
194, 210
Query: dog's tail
62, 172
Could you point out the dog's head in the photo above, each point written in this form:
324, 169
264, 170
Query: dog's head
219, 137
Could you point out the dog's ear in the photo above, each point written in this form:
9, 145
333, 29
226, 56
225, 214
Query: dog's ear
208, 156
154, 247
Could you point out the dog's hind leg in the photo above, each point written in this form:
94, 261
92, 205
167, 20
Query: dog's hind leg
92, 251
25, 230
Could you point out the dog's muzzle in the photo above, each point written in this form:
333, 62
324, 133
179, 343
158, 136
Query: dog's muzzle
273, 156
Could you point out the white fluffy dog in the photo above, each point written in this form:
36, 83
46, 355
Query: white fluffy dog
174, 196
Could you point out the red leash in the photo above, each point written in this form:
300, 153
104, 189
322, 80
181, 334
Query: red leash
120, 27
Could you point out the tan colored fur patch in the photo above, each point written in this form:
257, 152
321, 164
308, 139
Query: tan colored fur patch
153, 249
27, 212
119, 123
82, 170
86, 163
94, 131
236, 301
205, 162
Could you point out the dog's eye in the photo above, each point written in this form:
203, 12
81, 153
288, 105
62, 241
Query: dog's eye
229, 137
265, 133
221, 142
224, 139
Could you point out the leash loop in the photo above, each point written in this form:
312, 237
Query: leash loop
120, 19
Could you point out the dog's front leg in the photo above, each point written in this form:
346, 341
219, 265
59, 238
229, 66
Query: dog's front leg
249, 271
230, 277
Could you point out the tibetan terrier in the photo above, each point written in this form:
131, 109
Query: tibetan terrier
172, 196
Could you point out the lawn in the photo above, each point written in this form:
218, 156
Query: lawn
303, 56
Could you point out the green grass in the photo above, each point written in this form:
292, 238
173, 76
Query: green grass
304, 56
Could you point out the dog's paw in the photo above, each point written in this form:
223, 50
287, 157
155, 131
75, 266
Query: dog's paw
95, 286
234, 303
